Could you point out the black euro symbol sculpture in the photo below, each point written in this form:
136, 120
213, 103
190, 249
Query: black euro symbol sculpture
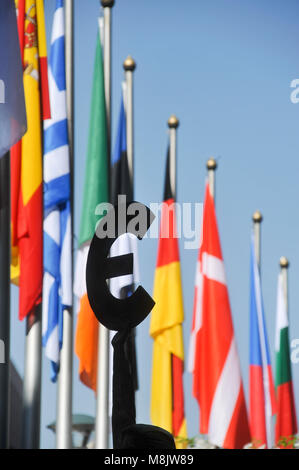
122, 315
117, 314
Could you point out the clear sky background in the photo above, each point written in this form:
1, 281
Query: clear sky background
224, 68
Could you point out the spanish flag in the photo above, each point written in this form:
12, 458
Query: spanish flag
167, 399
26, 160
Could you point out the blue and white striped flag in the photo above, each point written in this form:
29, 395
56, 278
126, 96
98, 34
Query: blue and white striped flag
57, 285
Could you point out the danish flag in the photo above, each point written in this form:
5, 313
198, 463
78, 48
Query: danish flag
213, 359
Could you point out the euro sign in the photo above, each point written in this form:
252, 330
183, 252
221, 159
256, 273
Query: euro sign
117, 314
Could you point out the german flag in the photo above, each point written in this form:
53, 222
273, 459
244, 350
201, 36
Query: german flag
167, 399
26, 160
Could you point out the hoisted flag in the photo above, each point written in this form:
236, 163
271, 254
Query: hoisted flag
95, 192
57, 283
214, 360
286, 421
167, 397
12, 103
26, 161
261, 386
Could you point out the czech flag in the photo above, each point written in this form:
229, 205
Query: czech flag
262, 392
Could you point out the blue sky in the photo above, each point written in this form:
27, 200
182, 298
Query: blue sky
224, 68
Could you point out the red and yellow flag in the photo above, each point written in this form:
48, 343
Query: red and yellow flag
26, 160
167, 399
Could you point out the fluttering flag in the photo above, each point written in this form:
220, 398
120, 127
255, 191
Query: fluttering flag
26, 161
57, 284
121, 185
261, 385
214, 360
286, 421
95, 193
13, 123
167, 394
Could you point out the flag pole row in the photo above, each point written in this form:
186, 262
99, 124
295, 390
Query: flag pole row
32, 376
264, 401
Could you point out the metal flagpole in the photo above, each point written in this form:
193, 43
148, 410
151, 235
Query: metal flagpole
211, 167
102, 411
284, 265
173, 124
257, 220
65, 377
32, 380
4, 298
129, 67
107, 5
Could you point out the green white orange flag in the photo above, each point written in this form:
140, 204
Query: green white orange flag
167, 399
95, 192
286, 422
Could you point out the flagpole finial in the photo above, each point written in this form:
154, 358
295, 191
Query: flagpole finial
284, 262
211, 164
129, 64
257, 217
107, 3
173, 122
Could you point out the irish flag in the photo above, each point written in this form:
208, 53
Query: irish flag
286, 423
95, 192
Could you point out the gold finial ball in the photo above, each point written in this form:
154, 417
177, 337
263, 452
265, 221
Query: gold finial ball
284, 262
257, 217
211, 164
107, 3
173, 122
129, 64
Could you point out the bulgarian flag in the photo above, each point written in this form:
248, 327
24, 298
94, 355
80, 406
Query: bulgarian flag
167, 399
26, 160
95, 192
286, 422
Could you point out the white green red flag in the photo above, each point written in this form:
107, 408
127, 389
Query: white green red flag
286, 422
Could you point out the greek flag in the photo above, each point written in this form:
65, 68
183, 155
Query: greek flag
57, 284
